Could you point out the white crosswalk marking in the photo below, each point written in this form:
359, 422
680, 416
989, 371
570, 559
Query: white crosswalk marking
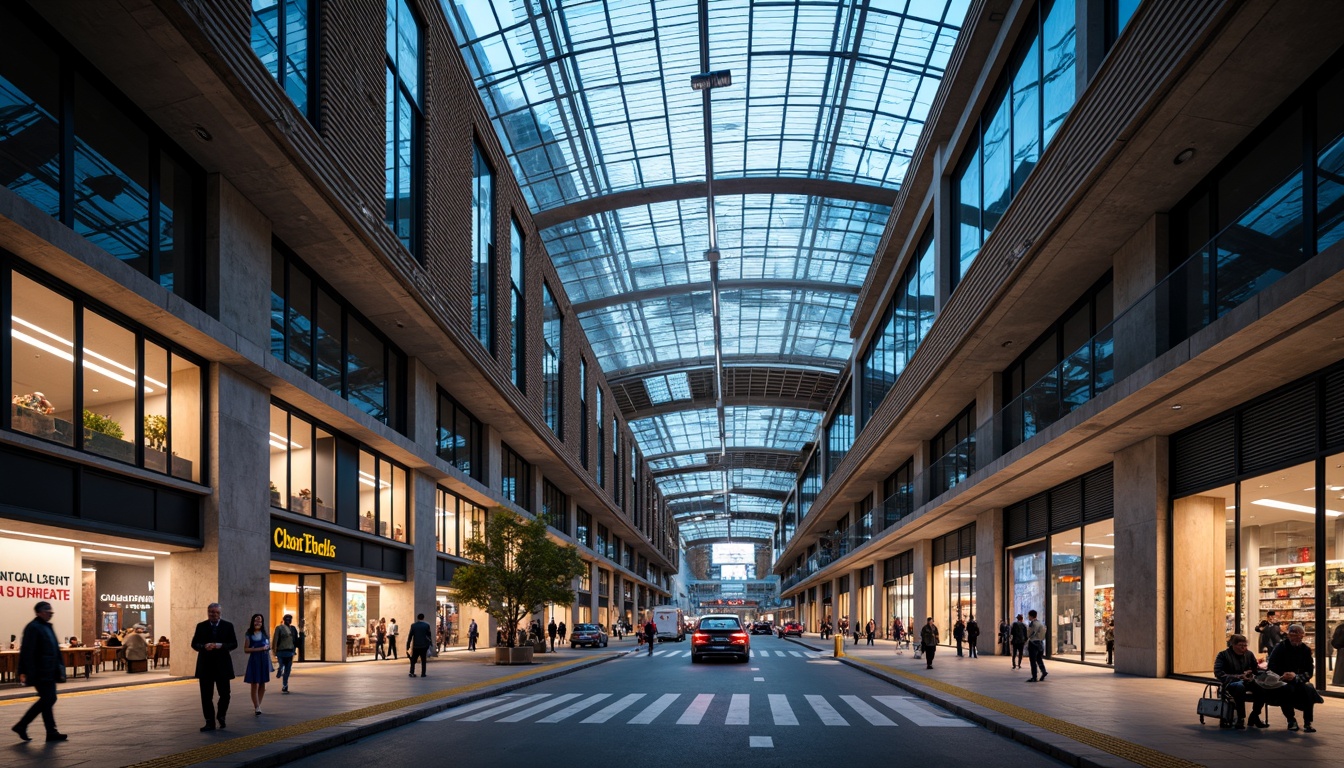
795, 653
696, 711
866, 710
655, 709
518, 717
825, 711
574, 709
920, 714
611, 710
465, 708
781, 711
505, 707
739, 710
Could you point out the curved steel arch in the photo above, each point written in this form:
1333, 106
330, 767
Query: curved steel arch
751, 185
634, 297
791, 362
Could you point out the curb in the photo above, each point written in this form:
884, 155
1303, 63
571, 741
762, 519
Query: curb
281, 752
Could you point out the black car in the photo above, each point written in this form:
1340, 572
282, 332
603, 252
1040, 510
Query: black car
720, 635
761, 628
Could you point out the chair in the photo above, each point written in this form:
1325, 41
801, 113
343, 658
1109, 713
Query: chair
163, 654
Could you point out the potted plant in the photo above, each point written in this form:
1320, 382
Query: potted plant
156, 441
518, 570
32, 413
95, 423
275, 495
366, 522
303, 503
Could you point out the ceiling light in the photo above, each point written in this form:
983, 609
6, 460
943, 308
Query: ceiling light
1184, 157
117, 554
275, 440
1090, 544
81, 541
201, 132
1276, 504
1177, 407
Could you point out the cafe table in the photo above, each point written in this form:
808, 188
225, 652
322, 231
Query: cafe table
74, 658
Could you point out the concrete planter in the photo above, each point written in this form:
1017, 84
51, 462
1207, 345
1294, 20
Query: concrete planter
520, 655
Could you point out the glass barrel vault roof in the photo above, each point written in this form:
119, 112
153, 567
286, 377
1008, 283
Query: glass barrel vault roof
592, 103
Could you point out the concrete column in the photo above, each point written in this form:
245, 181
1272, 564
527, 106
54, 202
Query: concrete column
494, 457
1138, 266
163, 599
923, 584
989, 603
879, 606
334, 628
989, 431
238, 263
423, 405
856, 611
1141, 549
837, 608
1250, 563
594, 576
233, 566
1198, 599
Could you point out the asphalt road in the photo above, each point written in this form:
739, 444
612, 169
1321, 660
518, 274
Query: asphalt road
787, 706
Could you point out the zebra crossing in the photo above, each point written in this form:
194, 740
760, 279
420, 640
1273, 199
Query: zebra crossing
755, 654
703, 709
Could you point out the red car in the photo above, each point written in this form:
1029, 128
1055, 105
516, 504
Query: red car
791, 628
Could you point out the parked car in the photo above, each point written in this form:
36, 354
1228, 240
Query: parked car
762, 628
791, 628
587, 634
720, 635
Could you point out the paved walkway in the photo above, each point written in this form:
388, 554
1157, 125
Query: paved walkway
1090, 716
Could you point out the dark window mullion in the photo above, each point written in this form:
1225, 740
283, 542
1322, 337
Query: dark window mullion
137, 429
155, 199
78, 362
67, 149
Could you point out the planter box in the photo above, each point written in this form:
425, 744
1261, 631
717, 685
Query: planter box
111, 447
158, 461
31, 422
520, 655
275, 498
326, 513
300, 505
366, 524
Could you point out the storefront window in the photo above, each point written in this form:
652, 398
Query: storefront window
1099, 581
445, 522
1026, 578
42, 325
110, 377
953, 594
474, 520
1066, 593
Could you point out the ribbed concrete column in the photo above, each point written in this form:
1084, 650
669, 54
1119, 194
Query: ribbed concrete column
923, 583
594, 576
989, 603
1141, 549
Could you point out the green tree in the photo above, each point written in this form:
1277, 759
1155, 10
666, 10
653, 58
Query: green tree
518, 570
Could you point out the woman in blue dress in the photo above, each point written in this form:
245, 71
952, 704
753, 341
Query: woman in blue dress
258, 649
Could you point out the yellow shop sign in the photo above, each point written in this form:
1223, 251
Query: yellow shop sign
304, 544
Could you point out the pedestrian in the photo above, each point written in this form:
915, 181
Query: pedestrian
959, 634
1337, 642
258, 649
40, 666
380, 640
1036, 647
392, 631
1270, 633
213, 641
418, 640
551, 632
650, 629
285, 643
898, 632
1292, 661
473, 632
563, 631
972, 637
928, 639
1003, 637
870, 631
1018, 638
1110, 640
615, 628
136, 652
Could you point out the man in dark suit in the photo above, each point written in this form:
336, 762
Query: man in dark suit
418, 642
40, 667
213, 642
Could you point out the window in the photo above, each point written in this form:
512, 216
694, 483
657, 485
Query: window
82, 379
554, 507
955, 449
1027, 109
474, 521
303, 465
115, 180
382, 497
460, 437
283, 32
953, 579
601, 441
898, 492
446, 515
403, 123
840, 432
517, 307
583, 414
516, 478
907, 320
583, 527
552, 347
482, 250
314, 330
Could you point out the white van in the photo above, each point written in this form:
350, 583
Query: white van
670, 623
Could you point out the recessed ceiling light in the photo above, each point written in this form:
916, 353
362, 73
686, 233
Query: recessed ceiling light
1176, 407
1184, 156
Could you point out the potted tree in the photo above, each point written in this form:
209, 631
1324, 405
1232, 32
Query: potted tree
518, 570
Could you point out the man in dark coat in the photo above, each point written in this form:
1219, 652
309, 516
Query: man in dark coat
972, 638
1292, 661
650, 631
551, 631
40, 667
213, 643
959, 634
418, 641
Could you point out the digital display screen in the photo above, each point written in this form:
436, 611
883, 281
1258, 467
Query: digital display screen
727, 572
733, 553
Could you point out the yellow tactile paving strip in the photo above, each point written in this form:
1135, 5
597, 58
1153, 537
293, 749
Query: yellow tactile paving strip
252, 741
1128, 750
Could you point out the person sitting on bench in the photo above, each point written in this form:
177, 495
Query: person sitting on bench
1235, 668
1292, 660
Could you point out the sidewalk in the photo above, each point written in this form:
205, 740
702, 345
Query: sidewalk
155, 722
1090, 716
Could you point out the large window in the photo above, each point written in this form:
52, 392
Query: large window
383, 492
72, 146
954, 448
482, 249
583, 527
517, 306
454, 520
403, 123
283, 34
81, 378
584, 427
460, 437
314, 330
554, 507
839, 432
898, 581
601, 441
953, 580
1025, 111
552, 338
906, 322
515, 478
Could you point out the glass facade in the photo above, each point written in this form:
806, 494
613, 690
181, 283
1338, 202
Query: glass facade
482, 250
403, 124
517, 305
1026, 109
898, 584
461, 437
905, 322
74, 148
316, 331
955, 448
80, 377
283, 34
552, 348
454, 520
839, 432
515, 478
554, 507
953, 581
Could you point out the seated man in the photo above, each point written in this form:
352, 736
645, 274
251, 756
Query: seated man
1292, 661
1235, 668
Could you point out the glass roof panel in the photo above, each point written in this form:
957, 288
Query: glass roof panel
746, 477
595, 98
718, 528
786, 429
677, 462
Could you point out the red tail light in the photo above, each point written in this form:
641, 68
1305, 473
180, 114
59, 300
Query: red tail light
699, 638
739, 638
